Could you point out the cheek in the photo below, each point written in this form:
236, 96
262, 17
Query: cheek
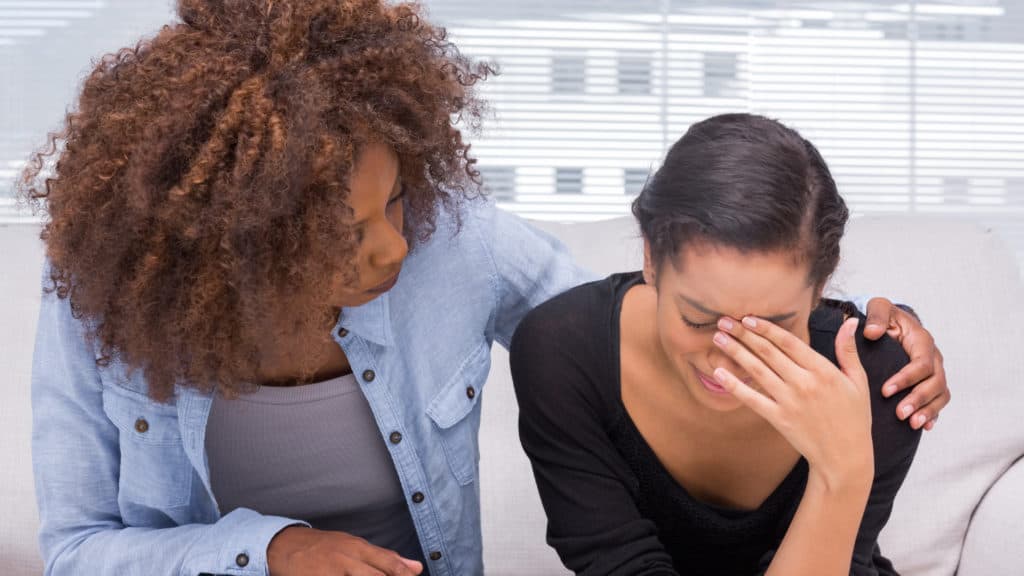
396, 215
681, 340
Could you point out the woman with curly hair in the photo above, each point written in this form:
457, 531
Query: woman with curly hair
271, 296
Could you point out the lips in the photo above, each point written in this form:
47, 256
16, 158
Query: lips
385, 286
712, 385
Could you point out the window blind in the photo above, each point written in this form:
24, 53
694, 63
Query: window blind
917, 105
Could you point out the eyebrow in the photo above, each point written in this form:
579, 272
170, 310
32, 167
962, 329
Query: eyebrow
773, 319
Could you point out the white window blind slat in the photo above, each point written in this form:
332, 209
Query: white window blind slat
917, 105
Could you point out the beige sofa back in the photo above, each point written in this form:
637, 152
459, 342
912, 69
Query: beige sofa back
961, 279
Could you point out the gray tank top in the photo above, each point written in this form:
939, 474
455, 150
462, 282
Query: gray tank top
312, 453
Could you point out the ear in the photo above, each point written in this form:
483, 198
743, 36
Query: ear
650, 277
819, 293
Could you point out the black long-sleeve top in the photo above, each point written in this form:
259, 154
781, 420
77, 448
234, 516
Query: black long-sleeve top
612, 508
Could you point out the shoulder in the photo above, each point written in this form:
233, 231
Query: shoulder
881, 358
564, 346
894, 440
581, 315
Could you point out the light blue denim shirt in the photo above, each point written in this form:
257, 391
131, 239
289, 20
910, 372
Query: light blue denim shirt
123, 485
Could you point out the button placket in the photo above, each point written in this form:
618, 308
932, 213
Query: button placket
405, 463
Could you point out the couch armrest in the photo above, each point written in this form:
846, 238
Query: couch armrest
993, 541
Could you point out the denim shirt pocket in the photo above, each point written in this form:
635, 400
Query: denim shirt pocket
456, 417
155, 472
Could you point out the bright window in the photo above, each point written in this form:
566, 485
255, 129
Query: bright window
917, 106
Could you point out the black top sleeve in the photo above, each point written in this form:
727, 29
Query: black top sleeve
895, 444
586, 487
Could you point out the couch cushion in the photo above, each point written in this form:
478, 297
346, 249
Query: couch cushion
965, 284
997, 525
20, 269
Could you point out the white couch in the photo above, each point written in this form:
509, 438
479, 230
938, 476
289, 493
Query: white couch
962, 507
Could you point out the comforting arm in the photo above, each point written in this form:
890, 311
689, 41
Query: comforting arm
530, 267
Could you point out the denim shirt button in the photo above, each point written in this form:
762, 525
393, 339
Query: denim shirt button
242, 560
435, 555
418, 497
470, 392
342, 332
141, 426
369, 375
395, 437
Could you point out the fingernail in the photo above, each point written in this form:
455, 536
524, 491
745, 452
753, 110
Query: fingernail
720, 374
720, 339
907, 410
919, 420
890, 389
725, 324
750, 322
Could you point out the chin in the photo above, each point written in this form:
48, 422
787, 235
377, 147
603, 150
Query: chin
353, 300
724, 405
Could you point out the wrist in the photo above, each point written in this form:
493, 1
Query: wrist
853, 479
280, 547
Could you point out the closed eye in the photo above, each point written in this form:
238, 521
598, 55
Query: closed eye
397, 197
698, 326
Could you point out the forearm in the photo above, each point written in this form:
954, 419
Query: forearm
235, 545
821, 537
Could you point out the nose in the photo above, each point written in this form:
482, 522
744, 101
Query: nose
719, 359
392, 250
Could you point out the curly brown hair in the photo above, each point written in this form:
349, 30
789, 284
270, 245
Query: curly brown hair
199, 187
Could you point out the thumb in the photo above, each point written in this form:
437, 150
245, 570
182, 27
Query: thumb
846, 351
413, 565
879, 312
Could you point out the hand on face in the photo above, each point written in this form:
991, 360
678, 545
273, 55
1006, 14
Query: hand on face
823, 411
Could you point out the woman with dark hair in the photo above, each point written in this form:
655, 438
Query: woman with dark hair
271, 296
713, 414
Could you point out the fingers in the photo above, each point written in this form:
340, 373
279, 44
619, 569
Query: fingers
782, 351
925, 361
923, 404
750, 363
880, 312
759, 403
926, 416
389, 563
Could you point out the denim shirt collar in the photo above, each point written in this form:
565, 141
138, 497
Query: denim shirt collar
371, 321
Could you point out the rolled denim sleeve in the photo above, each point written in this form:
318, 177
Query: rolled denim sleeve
531, 267
76, 461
